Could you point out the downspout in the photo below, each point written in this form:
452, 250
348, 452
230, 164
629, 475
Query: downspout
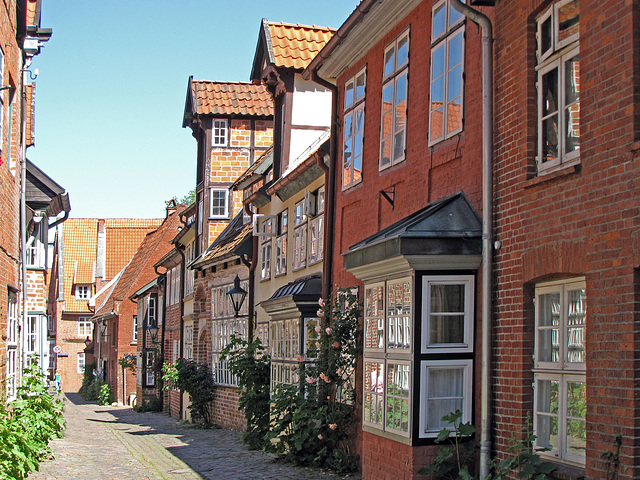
252, 280
183, 270
329, 173
487, 227
23, 201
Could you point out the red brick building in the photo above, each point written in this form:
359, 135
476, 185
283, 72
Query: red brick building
566, 170
89, 255
116, 314
403, 219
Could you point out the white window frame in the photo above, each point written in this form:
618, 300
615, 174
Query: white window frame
467, 392
134, 336
81, 362
443, 40
31, 335
353, 108
316, 229
189, 274
280, 257
399, 71
188, 343
36, 245
219, 132
267, 231
556, 57
563, 371
299, 237
469, 285
12, 344
224, 196
149, 373
85, 327
152, 310
284, 348
83, 292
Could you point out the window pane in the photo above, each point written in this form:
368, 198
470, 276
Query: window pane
546, 32
568, 20
348, 125
547, 414
446, 329
447, 298
548, 341
398, 397
454, 15
444, 395
439, 21
373, 403
455, 50
360, 86
389, 61
437, 67
550, 92
576, 322
550, 139
403, 51
348, 94
572, 108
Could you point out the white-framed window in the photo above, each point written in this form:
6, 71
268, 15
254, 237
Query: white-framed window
188, 343
85, 327
266, 226
280, 260
83, 292
354, 96
36, 245
447, 314
447, 72
310, 335
174, 296
51, 326
394, 101
299, 237
445, 386
387, 355
134, 337
152, 310
219, 132
218, 202
31, 335
12, 343
284, 336
224, 323
316, 229
559, 369
149, 373
189, 274
81, 362
558, 85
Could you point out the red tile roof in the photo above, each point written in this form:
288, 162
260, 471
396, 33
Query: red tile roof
227, 98
124, 236
294, 46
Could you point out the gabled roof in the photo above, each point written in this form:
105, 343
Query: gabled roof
226, 99
80, 241
141, 271
286, 45
233, 241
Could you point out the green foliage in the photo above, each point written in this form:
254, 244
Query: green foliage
188, 199
197, 380
523, 459
311, 423
455, 461
104, 395
91, 385
27, 425
128, 362
612, 458
249, 362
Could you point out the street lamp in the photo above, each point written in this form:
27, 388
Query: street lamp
153, 331
237, 294
87, 342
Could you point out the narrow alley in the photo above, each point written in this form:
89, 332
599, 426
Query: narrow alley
119, 443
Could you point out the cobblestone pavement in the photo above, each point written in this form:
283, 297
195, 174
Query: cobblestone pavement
116, 443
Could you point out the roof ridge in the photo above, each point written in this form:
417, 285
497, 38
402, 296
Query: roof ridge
228, 82
300, 25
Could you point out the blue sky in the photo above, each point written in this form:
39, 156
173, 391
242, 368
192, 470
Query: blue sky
112, 85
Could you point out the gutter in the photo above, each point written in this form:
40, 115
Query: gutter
487, 226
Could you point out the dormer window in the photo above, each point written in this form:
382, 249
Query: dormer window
83, 292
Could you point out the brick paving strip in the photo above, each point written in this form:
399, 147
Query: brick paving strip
119, 443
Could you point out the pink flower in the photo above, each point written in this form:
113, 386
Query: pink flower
299, 358
320, 313
293, 368
317, 344
320, 436
318, 329
335, 345
311, 380
325, 378
333, 426
321, 302
328, 330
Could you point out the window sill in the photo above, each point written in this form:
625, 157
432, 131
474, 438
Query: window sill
565, 472
553, 175
388, 435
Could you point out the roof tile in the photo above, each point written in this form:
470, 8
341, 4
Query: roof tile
231, 98
294, 46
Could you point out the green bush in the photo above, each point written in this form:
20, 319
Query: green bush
153, 404
196, 379
27, 425
104, 395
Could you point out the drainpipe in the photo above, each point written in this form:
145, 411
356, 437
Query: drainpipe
23, 202
252, 280
329, 175
487, 230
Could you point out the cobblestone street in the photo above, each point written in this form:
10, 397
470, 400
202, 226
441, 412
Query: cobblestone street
118, 443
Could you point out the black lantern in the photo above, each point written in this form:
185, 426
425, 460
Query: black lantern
153, 331
237, 294
87, 342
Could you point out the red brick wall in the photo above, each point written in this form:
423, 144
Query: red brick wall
426, 174
70, 342
226, 413
582, 221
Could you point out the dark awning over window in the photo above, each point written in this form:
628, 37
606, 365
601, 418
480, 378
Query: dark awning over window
297, 298
446, 234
